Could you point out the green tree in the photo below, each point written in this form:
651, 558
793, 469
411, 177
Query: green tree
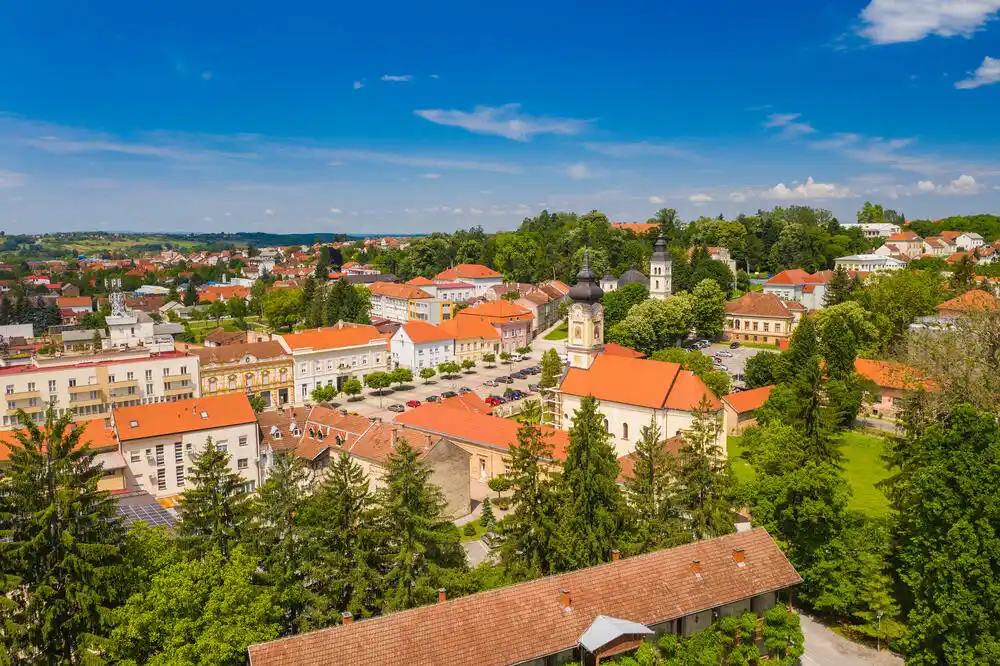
401, 376
655, 324
281, 308
257, 403
528, 530
173, 296
763, 369
487, 519
551, 369
236, 307
618, 302
468, 364
706, 487
591, 515
351, 387
280, 540
783, 637
839, 288
215, 507
709, 305
871, 214
716, 380
963, 276
427, 374
489, 359
421, 544
449, 368
59, 546
190, 294
378, 382
650, 492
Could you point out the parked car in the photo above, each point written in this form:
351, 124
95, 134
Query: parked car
412, 403
517, 358
464, 390
491, 539
518, 375
494, 400
433, 398
533, 387
448, 394
490, 382
505, 380
724, 353
734, 345
398, 407
719, 366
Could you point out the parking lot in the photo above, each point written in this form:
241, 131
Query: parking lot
737, 362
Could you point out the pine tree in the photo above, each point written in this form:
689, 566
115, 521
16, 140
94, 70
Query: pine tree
420, 543
314, 316
705, 484
215, 508
650, 493
5, 311
487, 519
190, 294
529, 528
279, 539
591, 515
59, 546
839, 288
308, 292
342, 527
331, 305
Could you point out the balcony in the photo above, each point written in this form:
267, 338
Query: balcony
86, 402
179, 390
22, 395
173, 379
125, 383
85, 388
30, 409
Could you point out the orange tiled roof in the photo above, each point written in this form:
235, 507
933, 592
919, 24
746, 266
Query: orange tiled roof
421, 331
903, 236
168, 418
621, 350
476, 428
396, 290
468, 401
974, 299
98, 435
958, 256
213, 293
74, 301
466, 272
791, 276
463, 328
521, 623
951, 235
636, 381
636, 227
236, 352
498, 311
747, 401
757, 304
890, 374
419, 281
333, 338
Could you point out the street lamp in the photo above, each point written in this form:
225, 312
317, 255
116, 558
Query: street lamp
878, 632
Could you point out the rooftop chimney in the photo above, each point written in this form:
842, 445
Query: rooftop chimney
442, 596
615, 555
739, 557
347, 617
696, 568
564, 600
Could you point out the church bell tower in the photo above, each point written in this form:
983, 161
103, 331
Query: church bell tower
660, 268
586, 318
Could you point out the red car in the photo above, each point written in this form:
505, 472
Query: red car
493, 401
412, 403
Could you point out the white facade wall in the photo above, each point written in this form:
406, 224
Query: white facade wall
161, 465
479, 285
407, 354
332, 367
390, 307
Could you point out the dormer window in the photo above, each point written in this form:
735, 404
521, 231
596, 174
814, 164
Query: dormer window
133, 424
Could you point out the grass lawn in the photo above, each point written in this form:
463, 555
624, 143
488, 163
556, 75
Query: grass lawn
561, 332
480, 531
863, 468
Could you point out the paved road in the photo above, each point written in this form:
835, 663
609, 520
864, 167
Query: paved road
737, 362
825, 648
476, 552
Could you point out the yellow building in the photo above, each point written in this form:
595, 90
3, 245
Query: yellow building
258, 369
765, 318
473, 338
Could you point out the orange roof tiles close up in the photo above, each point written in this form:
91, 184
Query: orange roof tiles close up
463, 328
168, 418
525, 622
419, 281
974, 299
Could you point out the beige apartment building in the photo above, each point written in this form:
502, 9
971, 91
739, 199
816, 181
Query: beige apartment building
332, 355
160, 442
764, 318
90, 385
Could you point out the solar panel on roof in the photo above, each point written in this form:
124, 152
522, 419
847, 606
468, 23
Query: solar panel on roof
151, 514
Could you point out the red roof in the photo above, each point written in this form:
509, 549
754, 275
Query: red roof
396, 290
95, 433
636, 381
903, 236
498, 312
636, 227
74, 302
419, 281
790, 277
333, 338
621, 350
748, 401
890, 374
463, 328
168, 418
525, 623
974, 299
467, 401
476, 428
757, 304
421, 331
466, 272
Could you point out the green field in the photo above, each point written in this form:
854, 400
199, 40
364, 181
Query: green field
863, 469
561, 332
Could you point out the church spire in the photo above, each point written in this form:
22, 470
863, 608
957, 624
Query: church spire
586, 289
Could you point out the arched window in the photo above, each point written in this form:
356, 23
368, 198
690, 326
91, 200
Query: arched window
624, 431
232, 382
212, 385
284, 374
267, 377
607, 426
248, 380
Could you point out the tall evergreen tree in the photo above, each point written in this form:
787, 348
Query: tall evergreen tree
551, 369
5, 311
190, 294
706, 486
215, 508
650, 493
839, 288
529, 528
421, 544
342, 525
59, 546
592, 511
279, 539
308, 292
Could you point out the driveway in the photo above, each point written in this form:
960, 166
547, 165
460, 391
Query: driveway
476, 552
825, 648
737, 362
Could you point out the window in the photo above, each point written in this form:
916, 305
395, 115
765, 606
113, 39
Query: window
232, 382
52, 386
242, 463
166, 372
159, 454
777, 327
607, 427
72, 382
765, 326
149, 375
305, 391
31, 386
624, 431
179, 472
184, 370
243, 440
319, 366
755, 326
178, 452
161, 479
134, 457
9, 389
130, 376
304, 368
329, 364
248, 381
212, 384
111, 379
149, 389
222, 445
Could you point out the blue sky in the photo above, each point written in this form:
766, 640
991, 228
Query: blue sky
412, 117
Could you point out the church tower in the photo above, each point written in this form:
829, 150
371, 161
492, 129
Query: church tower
586, 318
660, 267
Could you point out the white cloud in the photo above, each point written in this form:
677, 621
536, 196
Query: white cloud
894, 21
505, 121
456, 211
987, 73
334, 210
640, 149
430, 176
739, 196
268, 212
397, 78
497, 211
578, 171
59, 146
476, 211
11, 179
786, 123
964, 185
700, 198
358, 85
411, 211
807, 191
657, 200
407, 160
